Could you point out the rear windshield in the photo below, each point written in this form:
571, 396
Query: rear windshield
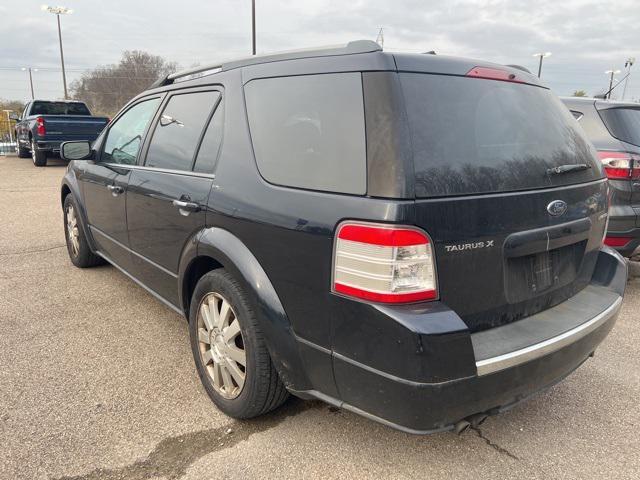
623, 123
480, 136
59, 108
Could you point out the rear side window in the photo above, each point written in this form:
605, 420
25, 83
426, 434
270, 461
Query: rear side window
479, 136
210, 148
178, 131
623, 123
308, 131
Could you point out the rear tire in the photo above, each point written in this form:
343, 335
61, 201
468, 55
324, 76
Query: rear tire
224, 332
77, 246
39, 157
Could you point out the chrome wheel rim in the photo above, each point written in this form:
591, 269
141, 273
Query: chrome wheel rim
221, 345
72, 230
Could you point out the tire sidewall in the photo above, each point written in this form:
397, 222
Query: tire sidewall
221, 282
83, 250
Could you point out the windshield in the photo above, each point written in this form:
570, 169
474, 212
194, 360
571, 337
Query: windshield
623, 123
59, 108
480, 136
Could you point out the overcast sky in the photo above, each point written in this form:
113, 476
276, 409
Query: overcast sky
585, 37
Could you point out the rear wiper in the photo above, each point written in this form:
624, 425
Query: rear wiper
574, 167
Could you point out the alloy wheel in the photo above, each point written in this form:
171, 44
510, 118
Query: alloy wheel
221, 345
72, 230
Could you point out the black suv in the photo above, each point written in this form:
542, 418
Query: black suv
415, 238
614, 129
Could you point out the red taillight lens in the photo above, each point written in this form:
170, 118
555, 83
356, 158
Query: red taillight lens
620, 165
617, 241
40, 128
494, 74
384, 264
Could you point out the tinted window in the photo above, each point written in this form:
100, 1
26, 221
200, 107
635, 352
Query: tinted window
472, 136
59, 108
179, 129
623, 123
125, 135
208, 152
308, 131
577, 115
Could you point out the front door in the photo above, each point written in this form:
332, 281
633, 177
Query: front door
167, 196
105, 181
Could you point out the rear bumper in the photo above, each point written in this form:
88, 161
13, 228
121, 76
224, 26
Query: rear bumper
508, 363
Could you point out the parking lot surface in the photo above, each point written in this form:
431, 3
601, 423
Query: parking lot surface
97, 382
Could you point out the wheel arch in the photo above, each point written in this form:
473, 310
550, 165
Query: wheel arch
218, 248
70, 186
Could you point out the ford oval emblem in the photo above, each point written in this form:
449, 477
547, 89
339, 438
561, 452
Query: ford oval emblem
557, 208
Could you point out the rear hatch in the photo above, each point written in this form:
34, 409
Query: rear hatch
509, 189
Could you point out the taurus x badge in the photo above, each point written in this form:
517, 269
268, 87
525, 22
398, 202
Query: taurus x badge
557, 208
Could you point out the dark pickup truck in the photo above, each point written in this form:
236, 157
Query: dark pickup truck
46, 124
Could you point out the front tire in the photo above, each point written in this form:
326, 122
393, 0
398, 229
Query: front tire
229, 350
77, 246
21, 151
39, 157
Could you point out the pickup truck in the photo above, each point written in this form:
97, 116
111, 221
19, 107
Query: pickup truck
46, 124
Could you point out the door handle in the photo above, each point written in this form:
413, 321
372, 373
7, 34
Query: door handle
115, 190
186, 208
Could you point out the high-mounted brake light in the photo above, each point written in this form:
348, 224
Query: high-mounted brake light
620, 165
40, 128
384, 263
489, 73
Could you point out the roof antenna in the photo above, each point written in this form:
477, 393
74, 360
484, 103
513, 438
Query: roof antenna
380, 37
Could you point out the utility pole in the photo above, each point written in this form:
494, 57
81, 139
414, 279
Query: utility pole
380, 37
541, 55
253, 24
612, 73
30, 79
628, 64
60, 11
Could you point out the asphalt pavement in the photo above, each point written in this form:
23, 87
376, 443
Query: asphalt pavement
97, 382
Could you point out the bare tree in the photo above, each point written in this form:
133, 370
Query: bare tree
108, 87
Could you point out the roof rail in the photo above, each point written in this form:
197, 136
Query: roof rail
358, 46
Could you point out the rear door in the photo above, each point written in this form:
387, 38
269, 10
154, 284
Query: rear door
510, 191
167, 195
104, 182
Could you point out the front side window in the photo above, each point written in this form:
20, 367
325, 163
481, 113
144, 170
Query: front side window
179, 129
308, 131
124, 138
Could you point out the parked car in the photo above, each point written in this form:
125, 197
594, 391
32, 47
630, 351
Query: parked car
614, 129
415, 238
46, 124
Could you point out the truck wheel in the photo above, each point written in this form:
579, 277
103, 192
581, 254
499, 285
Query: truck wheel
79, 252
39, 157
22, 152
230, 353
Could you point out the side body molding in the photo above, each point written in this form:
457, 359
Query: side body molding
225, 248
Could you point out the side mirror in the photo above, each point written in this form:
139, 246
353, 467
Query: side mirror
14, 116
80, 150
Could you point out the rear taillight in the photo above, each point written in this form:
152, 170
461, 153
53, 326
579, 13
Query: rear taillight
617, 241
40, 129
620, 165
383, 263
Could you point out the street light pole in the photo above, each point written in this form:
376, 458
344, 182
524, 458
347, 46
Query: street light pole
541, 55
253, 25
60, 11
30, 80
628, 64
612, 72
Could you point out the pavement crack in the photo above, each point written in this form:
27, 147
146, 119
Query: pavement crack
35, 250
495, 446
174, 455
